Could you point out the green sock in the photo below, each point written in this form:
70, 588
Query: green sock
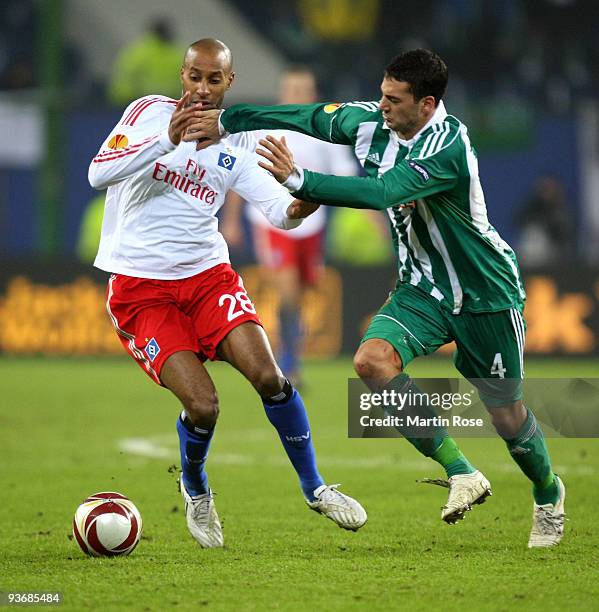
547, 492
529, 451
404, 385
452, 459
437, 445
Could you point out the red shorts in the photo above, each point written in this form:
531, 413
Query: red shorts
276, 250
156, 318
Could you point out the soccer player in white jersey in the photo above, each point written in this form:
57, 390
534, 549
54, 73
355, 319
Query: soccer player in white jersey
293, 260
173, 297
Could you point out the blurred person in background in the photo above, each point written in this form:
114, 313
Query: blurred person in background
173, 297
147, 65
292, 260
359, 237
90, 229
545, 227
18, 26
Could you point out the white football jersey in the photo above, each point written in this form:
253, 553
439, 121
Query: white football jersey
160, 215
311, 154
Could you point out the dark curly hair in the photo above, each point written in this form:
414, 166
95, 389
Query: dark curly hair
424, 70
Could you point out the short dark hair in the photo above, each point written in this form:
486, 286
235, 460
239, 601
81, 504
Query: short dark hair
423, 70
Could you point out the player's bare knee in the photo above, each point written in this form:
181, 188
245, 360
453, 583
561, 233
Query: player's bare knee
363, 365
203, 410
376, 362
365, 361
268, 381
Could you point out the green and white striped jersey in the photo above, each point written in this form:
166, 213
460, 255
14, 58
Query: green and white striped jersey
429, 187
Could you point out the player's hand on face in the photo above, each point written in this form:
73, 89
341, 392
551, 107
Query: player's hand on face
298, 209
185, 123
180, 119
204, 128
279, 155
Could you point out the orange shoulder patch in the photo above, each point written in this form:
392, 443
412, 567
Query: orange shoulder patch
118, 141
331, 108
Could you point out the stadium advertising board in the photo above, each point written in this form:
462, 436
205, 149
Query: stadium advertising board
58, 309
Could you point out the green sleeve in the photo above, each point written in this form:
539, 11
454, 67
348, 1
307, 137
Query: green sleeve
407, 181
335, 123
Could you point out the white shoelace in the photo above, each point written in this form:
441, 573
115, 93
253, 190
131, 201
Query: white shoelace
549, 523
435, 481
332, 496
200, 510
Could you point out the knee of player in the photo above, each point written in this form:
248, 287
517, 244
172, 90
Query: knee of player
203, 410
372, 362
362, 364
268, 381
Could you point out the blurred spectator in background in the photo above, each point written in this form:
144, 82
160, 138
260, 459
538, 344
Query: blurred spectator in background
149, 64
343, 32
340, 20
90, 229
293, 259
21, 44
546, 231
18, 22
359, 237
533, 52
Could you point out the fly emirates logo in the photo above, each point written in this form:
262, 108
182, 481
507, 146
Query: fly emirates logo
189, 182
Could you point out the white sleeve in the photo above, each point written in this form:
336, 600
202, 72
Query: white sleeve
258, 187
342, 161
138, 138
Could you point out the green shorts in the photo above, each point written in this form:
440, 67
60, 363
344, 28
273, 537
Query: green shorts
490, 345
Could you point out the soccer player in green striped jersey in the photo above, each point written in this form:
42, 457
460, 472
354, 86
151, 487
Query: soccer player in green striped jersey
458, 279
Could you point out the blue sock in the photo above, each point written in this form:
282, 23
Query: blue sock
194, 443
288, 415
290, 333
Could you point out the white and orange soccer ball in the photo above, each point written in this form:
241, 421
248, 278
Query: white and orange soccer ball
107, 524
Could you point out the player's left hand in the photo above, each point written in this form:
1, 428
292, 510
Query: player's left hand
279, 155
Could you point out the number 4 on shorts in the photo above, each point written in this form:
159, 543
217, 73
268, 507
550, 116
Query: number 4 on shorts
497, 368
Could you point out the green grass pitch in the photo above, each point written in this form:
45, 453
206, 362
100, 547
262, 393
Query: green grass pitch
69, 428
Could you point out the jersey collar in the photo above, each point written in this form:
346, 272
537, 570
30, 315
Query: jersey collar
438, 117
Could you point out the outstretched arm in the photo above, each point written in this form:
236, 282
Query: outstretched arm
335, 123
397, 186
310, 119
407, 181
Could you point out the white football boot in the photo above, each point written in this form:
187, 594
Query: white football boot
341, 509
202, 519
465, 490
548, 521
